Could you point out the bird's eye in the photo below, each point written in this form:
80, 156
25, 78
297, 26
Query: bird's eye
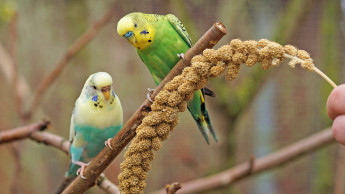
94, 87
135, 25
128, 34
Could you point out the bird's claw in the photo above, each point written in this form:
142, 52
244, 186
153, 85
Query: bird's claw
81, 169
181, 56
108, 144
148, 95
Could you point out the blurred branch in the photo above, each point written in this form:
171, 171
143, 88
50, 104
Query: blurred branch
127, 133
52, 140
107, 186
13, 54
252, 167
18, 168
173, 188
64, 145
9, 69
22, 132
33, 132
339, 177
80, 43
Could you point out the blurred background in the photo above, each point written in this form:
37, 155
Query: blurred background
258, 113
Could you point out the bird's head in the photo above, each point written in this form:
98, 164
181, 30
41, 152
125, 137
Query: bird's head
98, 88
137, 29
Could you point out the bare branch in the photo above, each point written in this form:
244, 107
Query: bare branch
8, 67
13, 54
80, 43
14, 150
107, 186
52, 140
22, 132
63, 145
126, 134
273, 160
173, 188
32, 132
339, 170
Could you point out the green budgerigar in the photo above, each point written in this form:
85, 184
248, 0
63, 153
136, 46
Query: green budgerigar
97, 117
160, 41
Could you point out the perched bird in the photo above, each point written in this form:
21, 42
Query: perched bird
97, 117
160, 41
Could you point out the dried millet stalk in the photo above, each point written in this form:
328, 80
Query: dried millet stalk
173, 98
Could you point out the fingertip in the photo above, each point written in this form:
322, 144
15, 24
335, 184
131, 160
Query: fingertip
336, 102
338, 129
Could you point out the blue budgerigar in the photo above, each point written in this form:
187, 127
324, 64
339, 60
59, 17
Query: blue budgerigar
97, 116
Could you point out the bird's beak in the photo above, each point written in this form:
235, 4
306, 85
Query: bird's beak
132, 40
106, 92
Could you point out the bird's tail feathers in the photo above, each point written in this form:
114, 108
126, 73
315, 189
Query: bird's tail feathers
69, 177
205, 127
65, 184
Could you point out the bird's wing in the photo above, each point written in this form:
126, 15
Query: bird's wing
71, 129
179, 27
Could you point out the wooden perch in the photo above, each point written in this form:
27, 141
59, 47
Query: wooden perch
126, 134
22, 132
273, 160
71, 52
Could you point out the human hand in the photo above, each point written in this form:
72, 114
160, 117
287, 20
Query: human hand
336, 111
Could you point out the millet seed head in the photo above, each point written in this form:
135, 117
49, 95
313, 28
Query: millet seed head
291, 50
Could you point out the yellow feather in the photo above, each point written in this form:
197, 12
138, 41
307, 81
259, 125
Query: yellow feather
138, 22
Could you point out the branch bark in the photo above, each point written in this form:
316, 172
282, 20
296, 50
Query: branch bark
22, 132
126, 134
80, 43
246, 169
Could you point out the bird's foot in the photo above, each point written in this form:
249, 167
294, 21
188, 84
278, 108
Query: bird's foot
108, 144
181, 56
148, 95
82, 168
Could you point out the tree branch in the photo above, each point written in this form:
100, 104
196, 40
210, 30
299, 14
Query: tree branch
33, 132
173, 188
22, 132
275, 159
9, 69
80, 43
52, 140
126, 134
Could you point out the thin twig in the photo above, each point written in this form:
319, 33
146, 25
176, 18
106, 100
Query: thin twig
22, 132
126, 134
80, 43
273, 160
